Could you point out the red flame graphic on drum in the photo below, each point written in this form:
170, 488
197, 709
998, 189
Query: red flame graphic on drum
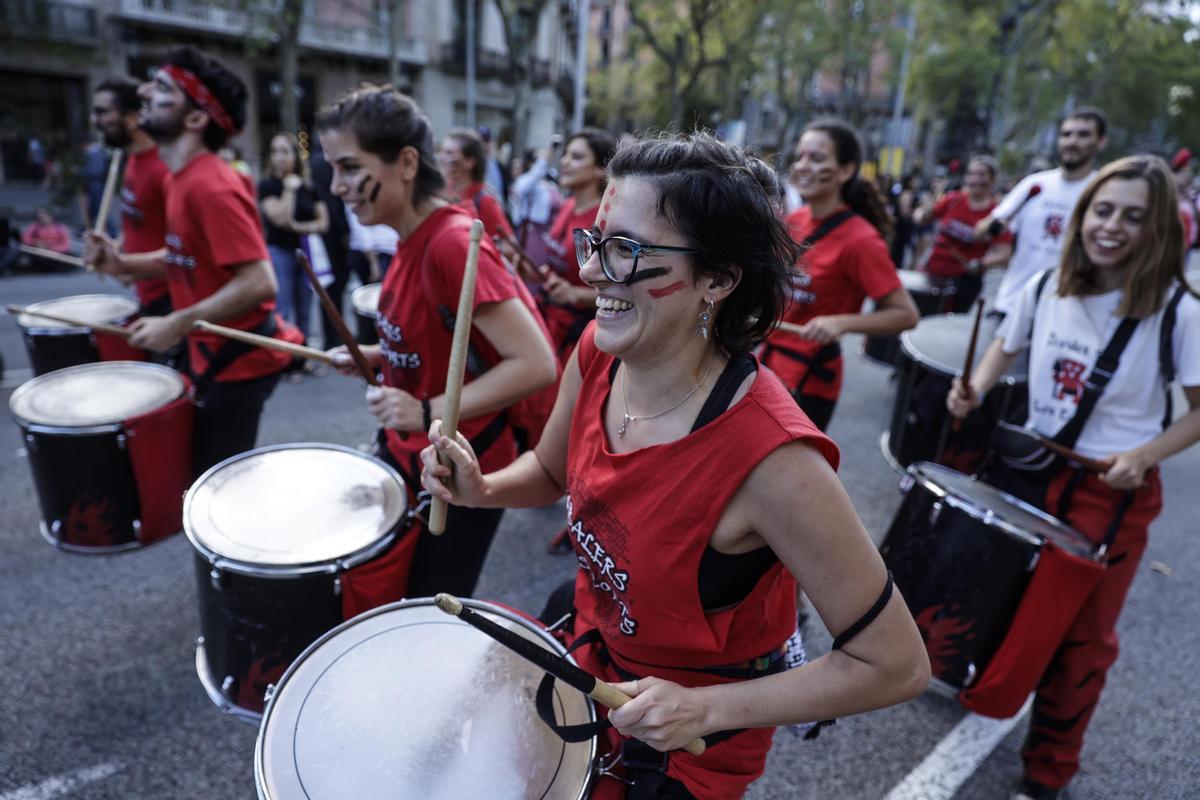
90, 522
944, 636
262, 673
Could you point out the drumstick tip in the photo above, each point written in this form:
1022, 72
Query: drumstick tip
448, 603
476, 230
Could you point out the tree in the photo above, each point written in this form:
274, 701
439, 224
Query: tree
521, 19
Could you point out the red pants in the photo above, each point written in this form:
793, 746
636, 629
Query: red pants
1071, 685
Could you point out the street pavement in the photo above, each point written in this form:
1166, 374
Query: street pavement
101, 697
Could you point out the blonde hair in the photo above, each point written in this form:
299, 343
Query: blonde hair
1157, 259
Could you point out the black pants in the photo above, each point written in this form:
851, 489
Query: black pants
966, 289
227, 419
818, 409
450, 562
355, 262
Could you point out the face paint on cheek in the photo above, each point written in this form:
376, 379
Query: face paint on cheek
647, 274
375, 192
666, 291
824, 175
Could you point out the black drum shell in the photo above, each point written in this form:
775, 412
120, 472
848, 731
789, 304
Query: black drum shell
85, 485
961, 577
66, 348
254, 626
932, 298
365, 328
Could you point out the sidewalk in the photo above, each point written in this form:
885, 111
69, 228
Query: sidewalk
20, 200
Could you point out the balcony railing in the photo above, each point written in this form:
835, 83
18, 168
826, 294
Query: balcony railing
490, 64
52, 20
362, 41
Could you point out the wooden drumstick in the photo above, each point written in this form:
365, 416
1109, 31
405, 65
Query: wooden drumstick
53, 255
535, 270
969, 364
458, 366
310, 353
1090, 464
110, 187
603, 693
100, 327
788, 327
339, 324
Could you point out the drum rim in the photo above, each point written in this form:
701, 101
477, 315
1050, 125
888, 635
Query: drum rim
275, 689
971, 508
62, 329
377, 287
931, 286
330, 565
912, 354
109, 426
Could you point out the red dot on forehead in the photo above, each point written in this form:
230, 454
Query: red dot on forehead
612, 190
602, 223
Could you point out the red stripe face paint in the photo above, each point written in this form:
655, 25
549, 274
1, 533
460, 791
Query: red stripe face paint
606, 208
666, 291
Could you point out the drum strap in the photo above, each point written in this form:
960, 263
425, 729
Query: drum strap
1166, 354
1114, 526
229, 351
815, 363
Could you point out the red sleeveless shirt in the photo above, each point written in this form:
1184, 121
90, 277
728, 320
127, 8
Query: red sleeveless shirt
640, 523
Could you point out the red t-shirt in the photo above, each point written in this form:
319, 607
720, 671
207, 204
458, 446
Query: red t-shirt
565, 323
419, 295
955, 244
834, 276
144, 214
625, 535
213, 225
478, 203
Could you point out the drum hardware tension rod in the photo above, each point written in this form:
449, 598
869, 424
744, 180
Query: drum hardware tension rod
457, 369
603, 693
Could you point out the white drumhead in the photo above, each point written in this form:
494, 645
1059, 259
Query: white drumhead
940, 341
294, 505
990, 501
92, 308
407, 702
915, 281
365, 299
103, 393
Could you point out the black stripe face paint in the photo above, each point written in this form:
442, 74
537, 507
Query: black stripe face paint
375, 192
648, 274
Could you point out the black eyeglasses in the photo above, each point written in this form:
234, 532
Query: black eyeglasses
618, 255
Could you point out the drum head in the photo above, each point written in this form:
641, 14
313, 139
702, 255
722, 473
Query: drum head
102, 308
405, 701
940, 342
916, 282
294, 505
105, 393
991, 504
365, 299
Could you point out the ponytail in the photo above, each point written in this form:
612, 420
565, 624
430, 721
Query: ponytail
865, 200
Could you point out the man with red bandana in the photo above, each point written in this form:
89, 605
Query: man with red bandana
215, 261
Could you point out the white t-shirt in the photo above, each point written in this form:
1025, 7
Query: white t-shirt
371, 238
1068, 335
1040, 228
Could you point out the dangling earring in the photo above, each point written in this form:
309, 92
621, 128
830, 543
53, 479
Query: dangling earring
705, 319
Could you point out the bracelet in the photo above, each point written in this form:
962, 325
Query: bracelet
426, 413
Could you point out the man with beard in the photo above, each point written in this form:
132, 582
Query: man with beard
215, 261
1039, 218
115, 110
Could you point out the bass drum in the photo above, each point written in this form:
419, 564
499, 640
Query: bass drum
931, 356
110, 446
365, 300
55, 345
274, 531
405, 701
929, 296
962, 554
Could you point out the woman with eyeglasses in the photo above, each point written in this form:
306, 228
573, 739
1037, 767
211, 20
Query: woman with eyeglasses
841, 229
380, 147
698, 495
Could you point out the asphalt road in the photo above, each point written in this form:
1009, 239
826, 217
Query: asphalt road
101, 698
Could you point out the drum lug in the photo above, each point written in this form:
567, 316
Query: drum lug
121, 441
907, 482
1033, 561
56, 527
935, 512
337, 587
269, 693
216, 579
31, 443
227, 688
971, 674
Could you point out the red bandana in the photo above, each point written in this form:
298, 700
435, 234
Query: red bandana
201, 96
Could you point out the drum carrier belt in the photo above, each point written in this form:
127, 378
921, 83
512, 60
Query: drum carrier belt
229, 351
817, 361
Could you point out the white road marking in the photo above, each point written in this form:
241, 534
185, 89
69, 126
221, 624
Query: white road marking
955, 758
62, 784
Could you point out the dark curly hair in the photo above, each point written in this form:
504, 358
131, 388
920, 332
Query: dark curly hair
225, 86
719, 199
384, 120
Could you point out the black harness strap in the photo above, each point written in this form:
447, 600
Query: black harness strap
815, 363
1166, 351
1097, 380
736, 371
229, 351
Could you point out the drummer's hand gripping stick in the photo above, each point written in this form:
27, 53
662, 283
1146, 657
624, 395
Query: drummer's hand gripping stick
603, 693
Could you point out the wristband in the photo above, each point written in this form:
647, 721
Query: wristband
426, 414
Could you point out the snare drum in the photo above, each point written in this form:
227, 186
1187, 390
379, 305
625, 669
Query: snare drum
405, 701
274, 529
932, 355
962, 553
930, 297
110, 446
54, 345
365, 300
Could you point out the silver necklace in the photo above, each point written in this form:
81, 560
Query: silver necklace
628, 418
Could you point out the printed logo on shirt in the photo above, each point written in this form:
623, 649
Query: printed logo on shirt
598, 562
959, 231
390, 337
800, 292
175, 255
129, 208
1068, 379
1053, 227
